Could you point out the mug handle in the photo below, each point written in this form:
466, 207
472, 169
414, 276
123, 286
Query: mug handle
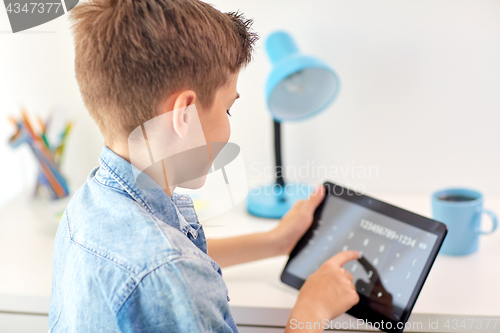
494, 219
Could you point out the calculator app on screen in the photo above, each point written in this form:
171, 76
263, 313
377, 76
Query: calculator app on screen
393, 253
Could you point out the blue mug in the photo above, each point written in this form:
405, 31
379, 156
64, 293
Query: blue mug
461, 210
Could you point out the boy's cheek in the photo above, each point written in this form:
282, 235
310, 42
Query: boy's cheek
221, 131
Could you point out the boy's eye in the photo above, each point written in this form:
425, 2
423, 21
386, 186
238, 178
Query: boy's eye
227, 111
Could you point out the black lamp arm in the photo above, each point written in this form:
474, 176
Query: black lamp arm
277, 153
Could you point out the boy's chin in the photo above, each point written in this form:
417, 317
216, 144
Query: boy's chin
194, 184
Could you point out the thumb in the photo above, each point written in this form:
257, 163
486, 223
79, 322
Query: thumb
316, 197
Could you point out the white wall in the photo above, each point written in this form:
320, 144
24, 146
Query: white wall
420, 95
36, 71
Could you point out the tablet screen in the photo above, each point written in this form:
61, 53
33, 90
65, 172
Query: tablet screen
393, 253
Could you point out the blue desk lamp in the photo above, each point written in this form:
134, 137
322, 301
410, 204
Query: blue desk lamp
298, 87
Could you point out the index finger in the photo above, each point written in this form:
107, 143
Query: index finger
341, 258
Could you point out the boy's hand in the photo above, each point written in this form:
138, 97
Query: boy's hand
298, 219
278, 241
327, 293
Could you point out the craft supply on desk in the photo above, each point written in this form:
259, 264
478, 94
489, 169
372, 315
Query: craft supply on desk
51, 182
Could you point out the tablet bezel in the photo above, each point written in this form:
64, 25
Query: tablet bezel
360, 310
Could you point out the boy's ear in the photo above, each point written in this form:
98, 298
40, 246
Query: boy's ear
180, 118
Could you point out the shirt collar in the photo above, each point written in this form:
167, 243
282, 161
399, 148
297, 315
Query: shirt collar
149, 194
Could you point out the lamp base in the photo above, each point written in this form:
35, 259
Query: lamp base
274, 201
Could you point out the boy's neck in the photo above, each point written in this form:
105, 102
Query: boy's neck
122, 151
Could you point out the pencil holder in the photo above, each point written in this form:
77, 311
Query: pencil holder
50, 181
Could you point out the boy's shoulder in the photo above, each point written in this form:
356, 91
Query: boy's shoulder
113, 251
105, 220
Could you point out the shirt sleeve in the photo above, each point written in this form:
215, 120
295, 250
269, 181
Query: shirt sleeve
183, 295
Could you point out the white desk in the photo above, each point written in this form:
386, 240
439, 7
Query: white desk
465, 286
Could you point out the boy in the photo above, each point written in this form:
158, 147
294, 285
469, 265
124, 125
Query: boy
129, 254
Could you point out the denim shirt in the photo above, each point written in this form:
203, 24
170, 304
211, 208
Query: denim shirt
132, 259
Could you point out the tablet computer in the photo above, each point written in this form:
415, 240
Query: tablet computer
397, 249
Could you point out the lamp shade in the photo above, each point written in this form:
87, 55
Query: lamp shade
299, 85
